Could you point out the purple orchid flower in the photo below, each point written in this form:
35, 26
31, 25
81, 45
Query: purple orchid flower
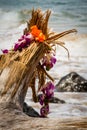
41, 99
48, 62
28, 38
49, 90
5, 51
53, 60
44, 111
16, 46
23, 42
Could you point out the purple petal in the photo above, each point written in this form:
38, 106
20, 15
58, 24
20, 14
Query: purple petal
51, 65
50, 90
41, 102
23, 42
22, 36
49, 94
16, 46
28, 38
5, 51
51, 85
22, 45
53, 60
44, 111
27, 41
41, 99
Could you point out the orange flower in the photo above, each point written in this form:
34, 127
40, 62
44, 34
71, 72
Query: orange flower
39, 36
34, 27
35, 31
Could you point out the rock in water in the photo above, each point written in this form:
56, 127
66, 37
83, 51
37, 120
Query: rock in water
72, 82
30, 111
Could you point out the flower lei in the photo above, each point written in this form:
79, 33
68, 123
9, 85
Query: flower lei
48, 61
44, 98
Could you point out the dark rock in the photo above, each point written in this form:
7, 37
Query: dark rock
30, 111
56, 100
72, 82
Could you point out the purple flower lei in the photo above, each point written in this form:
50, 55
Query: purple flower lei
47, 94
48, 62
23, 42
5, 51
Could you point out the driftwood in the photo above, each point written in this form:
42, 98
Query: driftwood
18, 71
